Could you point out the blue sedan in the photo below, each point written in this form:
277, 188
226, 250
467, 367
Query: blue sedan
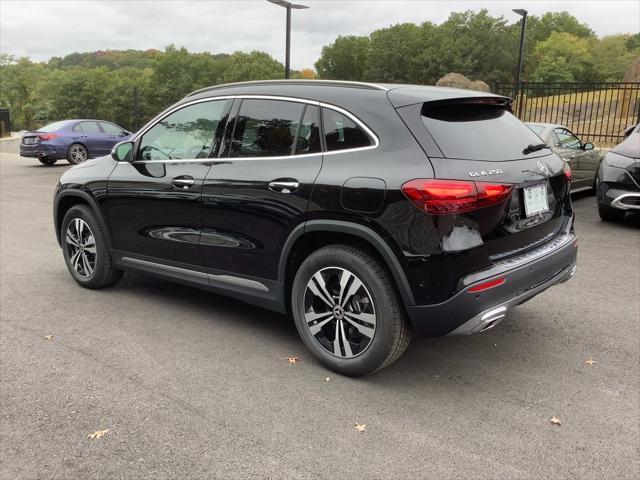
75, 140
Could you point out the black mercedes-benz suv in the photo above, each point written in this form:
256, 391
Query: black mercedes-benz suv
366, 211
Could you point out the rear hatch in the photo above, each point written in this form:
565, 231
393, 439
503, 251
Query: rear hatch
477, 139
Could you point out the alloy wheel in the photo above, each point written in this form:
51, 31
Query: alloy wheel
78, 153
81, 247
339, 312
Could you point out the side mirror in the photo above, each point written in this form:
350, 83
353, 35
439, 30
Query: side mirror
122, 152
126, 132
588, 146
629, 130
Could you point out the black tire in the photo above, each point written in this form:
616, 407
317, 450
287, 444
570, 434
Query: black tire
102, 273
77, 153
609, 214
48, 161
392, 332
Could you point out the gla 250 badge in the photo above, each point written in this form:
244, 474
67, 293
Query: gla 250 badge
484, 173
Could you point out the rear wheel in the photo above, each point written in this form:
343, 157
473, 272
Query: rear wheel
77, 154
85, 249
609, 214
47, 161
347, 311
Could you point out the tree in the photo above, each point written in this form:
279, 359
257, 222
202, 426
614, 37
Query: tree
344, 59
307, 74
255, 65
391, 54
612, 56
558, 22
563, 57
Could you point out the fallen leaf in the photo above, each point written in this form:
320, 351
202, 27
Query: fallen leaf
292, 360
98, 434
361, 427
590, 361
48, 337
556, 421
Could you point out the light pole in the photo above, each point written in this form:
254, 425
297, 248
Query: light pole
288, 6
523, 14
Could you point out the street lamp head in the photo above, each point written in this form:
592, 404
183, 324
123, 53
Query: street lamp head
520, 11
285, 4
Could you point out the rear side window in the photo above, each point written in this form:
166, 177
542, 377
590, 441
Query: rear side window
266, 128
110, 128
478, 131
87, 127
341, 132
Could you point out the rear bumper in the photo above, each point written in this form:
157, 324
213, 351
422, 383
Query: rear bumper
525, 276
39, 151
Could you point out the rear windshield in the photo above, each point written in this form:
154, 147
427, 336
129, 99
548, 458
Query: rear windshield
52, 127
537, 129
478, 132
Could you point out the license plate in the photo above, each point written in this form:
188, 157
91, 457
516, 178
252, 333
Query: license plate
535, 200
29, 140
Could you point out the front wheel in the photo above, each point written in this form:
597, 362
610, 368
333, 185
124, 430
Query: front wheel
347, 311
47, 161
77, 154
85, 249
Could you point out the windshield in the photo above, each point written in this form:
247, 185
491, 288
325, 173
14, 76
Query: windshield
53, 127
478, 132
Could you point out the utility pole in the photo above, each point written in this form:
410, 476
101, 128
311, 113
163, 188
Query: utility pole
288, 6
517, 89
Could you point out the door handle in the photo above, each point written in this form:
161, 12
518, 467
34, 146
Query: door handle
284, 185
184, 182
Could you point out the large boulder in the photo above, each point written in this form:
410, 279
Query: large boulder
457, 80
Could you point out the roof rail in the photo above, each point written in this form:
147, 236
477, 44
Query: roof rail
326, 83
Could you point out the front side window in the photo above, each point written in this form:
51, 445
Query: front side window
266, 128
185, 134
341, 132
309, 134
566, 139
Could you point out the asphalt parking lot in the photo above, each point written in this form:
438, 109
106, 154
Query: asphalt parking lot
191, 384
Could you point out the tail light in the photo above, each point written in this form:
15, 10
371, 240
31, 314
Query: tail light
47, 136
567, 172
442, 197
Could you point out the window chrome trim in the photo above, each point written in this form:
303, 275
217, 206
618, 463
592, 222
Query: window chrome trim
153, 122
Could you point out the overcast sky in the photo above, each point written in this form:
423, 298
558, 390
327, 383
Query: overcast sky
46, 28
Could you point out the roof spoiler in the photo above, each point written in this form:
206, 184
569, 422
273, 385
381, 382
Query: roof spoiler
505, 102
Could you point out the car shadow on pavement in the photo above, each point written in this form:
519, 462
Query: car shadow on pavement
454, 360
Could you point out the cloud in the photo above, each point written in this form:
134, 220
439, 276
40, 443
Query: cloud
42, 29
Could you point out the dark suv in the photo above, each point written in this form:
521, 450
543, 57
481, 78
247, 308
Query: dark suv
365, 211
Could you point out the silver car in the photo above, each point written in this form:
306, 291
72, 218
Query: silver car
583, 158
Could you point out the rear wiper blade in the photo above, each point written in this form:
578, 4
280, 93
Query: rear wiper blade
534, 148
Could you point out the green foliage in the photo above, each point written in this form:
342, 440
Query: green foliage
126, 87
131, 86
613, 55
344, 59
563, 57
391, 54
481, 47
